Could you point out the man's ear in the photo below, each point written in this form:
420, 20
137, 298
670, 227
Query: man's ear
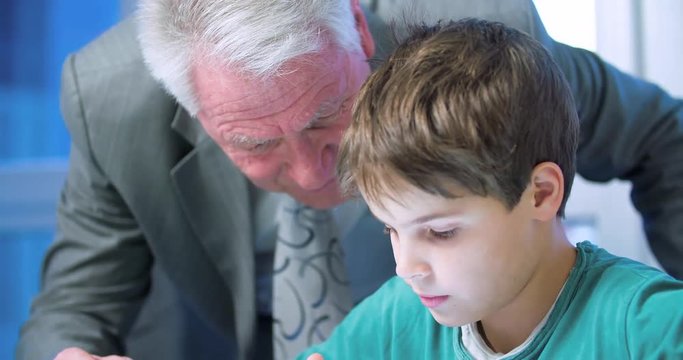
366, 40
547, 188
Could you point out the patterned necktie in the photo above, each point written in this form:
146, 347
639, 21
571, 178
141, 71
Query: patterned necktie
311, 293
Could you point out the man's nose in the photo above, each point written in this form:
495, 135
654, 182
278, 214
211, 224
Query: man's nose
309, 165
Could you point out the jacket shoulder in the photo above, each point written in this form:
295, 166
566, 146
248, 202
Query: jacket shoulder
111, 102
118, 46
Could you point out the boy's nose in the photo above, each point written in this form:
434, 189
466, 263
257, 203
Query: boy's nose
410, 265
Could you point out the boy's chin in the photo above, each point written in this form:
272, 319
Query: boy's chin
448, 319
445, 319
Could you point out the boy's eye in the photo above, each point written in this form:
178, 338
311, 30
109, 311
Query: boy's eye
443, 235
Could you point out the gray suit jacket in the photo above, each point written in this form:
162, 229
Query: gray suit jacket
155, 221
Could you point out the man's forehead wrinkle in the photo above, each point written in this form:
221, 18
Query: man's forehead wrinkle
228, 111
319, 85
250, 130
257, 110
247, 117
220, 104
251, 104
341, 81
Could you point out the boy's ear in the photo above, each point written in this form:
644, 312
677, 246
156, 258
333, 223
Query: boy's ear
547, 188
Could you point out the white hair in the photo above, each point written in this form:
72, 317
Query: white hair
254, 36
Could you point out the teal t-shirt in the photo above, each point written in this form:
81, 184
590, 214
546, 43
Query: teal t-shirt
609, 308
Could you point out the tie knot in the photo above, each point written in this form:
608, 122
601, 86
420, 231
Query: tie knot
296, 215
307, 215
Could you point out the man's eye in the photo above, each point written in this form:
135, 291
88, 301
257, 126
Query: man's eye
443, 235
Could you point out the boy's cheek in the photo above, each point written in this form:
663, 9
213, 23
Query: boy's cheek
395, 248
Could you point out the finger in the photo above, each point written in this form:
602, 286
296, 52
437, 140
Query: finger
80, 354
315, 356
74, 354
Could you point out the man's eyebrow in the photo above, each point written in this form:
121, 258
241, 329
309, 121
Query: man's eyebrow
330, 104
324, 107
240, 139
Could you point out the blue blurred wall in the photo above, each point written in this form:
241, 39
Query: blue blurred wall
35, 37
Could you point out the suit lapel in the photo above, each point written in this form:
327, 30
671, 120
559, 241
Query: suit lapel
214, 196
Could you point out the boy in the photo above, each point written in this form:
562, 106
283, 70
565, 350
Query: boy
463, 144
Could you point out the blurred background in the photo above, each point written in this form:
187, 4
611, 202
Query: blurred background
35, 37
641, 37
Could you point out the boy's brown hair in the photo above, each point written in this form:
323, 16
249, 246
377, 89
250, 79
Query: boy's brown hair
471, 102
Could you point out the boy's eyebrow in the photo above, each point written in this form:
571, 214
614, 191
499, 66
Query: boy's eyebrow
425, 218
430, 217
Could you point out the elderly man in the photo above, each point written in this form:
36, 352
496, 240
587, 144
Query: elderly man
182, 212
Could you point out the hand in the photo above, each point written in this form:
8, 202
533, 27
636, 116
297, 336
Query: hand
78, 354
315, 356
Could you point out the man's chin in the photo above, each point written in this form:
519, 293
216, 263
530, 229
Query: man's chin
326, 197
322, 200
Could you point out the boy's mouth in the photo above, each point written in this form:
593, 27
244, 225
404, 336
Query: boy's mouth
433, 301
